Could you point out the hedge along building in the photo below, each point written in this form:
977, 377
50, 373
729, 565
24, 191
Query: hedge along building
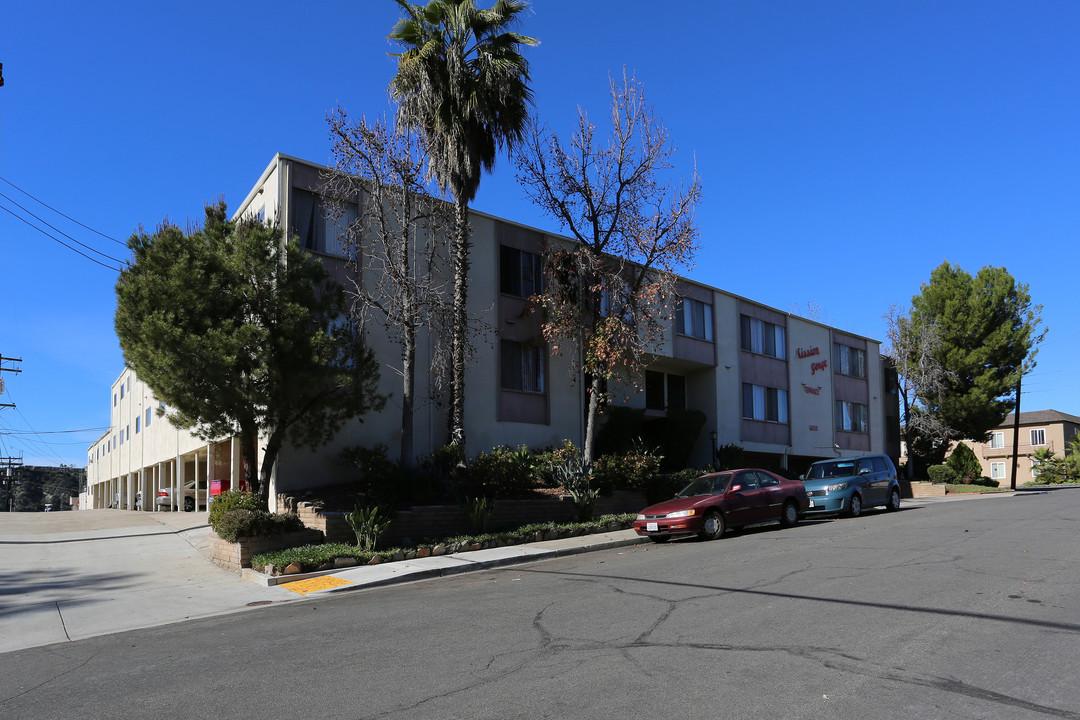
786, 389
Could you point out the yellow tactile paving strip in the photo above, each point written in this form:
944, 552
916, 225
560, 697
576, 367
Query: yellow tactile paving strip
314, 584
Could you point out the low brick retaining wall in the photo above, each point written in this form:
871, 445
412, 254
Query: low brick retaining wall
925, 489
432, 521
237, 555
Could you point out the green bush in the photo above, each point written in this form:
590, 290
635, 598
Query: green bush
620, 427
232, 500
503, 472
548, 461
369, 524
241, 522
943, 474
963, 461
728, 457
985, 481
629, 471
478, 513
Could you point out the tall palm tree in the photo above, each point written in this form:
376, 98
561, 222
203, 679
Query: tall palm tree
463, 83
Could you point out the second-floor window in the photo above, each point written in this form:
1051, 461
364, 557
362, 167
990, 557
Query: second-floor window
520, 272
852, 417
522, 366
997, 440
1038, 437
762, 337
319, 227
764, 403
849, 361
694, 318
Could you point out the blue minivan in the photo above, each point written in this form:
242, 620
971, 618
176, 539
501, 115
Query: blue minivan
847, 485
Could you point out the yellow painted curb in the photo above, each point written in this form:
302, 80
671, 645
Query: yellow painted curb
314, 584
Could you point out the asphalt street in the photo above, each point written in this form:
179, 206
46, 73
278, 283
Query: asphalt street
967, 609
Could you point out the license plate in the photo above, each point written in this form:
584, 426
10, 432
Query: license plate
651, 527
811, 503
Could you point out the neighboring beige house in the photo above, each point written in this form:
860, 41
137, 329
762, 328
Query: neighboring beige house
787, 389
1039, 429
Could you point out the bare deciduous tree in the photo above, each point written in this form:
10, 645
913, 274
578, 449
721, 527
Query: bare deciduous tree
396, 245
913, 349
612, 293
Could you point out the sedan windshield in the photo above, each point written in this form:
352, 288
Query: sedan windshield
707, 485
825, 470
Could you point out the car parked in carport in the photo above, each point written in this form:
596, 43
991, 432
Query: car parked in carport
715, 502
848, 485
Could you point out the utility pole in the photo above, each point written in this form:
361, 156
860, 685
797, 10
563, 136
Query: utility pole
7, 472
2, 358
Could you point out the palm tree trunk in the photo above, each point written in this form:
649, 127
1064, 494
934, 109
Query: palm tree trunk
460, 325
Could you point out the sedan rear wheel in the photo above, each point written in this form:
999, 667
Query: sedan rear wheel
790, 515
855, 506
713, 527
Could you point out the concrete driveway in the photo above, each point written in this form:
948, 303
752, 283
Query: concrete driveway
71, 575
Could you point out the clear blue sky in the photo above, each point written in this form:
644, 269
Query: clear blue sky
846, 150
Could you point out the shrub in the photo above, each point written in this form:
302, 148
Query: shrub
232, 500
478, 512
549, 460
241, 522
369, 524
621, 425
574, 475
630, 471
379, 480
964, 463
503, 472
728, 457
985, 482
943, 474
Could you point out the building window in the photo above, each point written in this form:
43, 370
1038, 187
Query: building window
664, 392
852, 417
849, 361
114, 399
317, 227
520, 272
997, 440
1038, 437
148, 414
694, 318
763, 338
121, 392
522, 366
764, 403
1034, 470
137, 424
997, 471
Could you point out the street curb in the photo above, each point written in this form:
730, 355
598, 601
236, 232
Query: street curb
530, 552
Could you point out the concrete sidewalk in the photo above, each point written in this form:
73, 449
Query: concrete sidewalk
66, 576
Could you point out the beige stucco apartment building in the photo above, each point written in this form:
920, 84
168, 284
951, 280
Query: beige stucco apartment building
1039, 429
787, 389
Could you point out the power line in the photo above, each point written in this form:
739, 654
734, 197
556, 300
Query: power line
75, 250
50, 225
107, 237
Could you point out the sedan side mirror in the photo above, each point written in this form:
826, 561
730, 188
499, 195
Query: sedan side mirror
736, 488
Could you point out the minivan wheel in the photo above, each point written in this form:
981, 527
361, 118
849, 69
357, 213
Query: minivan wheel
855, 506
790, 515
894, 500
713, 527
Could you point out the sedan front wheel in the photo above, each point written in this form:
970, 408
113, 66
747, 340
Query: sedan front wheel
713, 527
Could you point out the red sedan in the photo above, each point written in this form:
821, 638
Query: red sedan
713, 503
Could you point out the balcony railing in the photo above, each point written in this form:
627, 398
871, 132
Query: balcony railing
1006, 451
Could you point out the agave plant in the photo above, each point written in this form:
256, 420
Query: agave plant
369, 524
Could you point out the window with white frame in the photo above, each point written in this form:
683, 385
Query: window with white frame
852, 417
849, 361
1034, 469
520, 272
764, 403
763, 338
997, 471
694, 318
148, 415
1038, 436
997, 440
522, 366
